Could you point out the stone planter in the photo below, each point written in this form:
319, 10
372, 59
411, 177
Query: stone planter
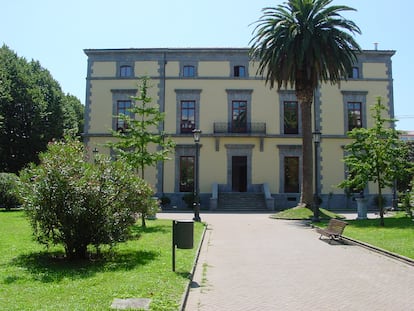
362, 208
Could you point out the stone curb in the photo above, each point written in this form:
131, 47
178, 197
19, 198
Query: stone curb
381, 251
188, 287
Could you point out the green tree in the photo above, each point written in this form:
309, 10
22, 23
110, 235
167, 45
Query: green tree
73, 111
33, 108
141, 144
404, 183
8, 190
76, 203
376, 155
302, 43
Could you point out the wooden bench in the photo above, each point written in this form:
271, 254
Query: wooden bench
334, 229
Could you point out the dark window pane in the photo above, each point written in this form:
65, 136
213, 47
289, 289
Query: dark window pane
354, 74
291, 174
186, 174
122, 107
239, 71
125, 71
354, 115
188, 71
239, 116
187, 116
290, 118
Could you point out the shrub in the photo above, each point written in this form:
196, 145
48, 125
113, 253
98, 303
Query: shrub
189, 199
165, 201
75, 203
8, 196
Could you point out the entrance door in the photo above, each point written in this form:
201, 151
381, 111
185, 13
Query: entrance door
239, 173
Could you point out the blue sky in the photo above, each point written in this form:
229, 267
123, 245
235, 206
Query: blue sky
56, 32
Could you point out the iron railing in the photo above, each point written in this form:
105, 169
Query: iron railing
240, 128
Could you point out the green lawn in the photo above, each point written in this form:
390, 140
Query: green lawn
31, 279
304, 213
396, 236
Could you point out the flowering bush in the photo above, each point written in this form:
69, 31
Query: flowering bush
77, 203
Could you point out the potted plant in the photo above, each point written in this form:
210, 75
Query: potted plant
165, 201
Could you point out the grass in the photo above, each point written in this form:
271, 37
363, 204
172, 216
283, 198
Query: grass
396, 236
33, 279
304, 213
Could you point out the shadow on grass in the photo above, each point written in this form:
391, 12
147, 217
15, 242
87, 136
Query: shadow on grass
302, 213
138, 229
53, 267
184, 274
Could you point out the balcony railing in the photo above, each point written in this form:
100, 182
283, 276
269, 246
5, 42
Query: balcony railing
240, 128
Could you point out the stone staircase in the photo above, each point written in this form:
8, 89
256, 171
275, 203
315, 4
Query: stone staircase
241, 202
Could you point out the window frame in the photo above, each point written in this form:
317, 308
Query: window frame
187, 95
357, 122
238, 73
187, 125
354, 74
119, 112
290, 130
354, 97
125, 71
239, 109
288, 96
189, 71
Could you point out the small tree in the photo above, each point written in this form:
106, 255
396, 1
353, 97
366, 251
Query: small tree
377, 155
141, 133
76, 203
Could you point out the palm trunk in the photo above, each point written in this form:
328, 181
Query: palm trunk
307, 157
305, 97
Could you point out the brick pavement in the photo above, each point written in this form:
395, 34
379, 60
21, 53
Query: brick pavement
252, 262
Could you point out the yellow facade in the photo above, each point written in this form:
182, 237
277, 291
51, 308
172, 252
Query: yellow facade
251, 136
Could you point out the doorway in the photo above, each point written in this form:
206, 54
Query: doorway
239, 173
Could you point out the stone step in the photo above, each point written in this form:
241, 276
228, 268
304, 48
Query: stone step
241, 201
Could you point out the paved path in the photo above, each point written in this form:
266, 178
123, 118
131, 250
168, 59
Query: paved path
252, 262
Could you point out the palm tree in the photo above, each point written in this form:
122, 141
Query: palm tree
302, 43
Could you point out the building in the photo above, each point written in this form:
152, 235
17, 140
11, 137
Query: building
251, 139
407, 136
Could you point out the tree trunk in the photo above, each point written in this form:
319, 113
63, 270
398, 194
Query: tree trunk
143, 223
305, 97
75, 252
380, 206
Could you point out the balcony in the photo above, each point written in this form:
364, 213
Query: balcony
258, 128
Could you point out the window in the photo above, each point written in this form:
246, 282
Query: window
354, 115
122, 108
239, 71
186, 174
188, 71
354, 74
187, 116
291, 165
125, 71
354, 103
290, 117
239, 117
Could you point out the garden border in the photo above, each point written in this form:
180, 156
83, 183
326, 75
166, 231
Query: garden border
188, 287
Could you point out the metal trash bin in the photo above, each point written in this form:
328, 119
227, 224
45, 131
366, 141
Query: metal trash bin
183, 234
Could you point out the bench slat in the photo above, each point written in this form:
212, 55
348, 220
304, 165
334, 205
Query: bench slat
334, 230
